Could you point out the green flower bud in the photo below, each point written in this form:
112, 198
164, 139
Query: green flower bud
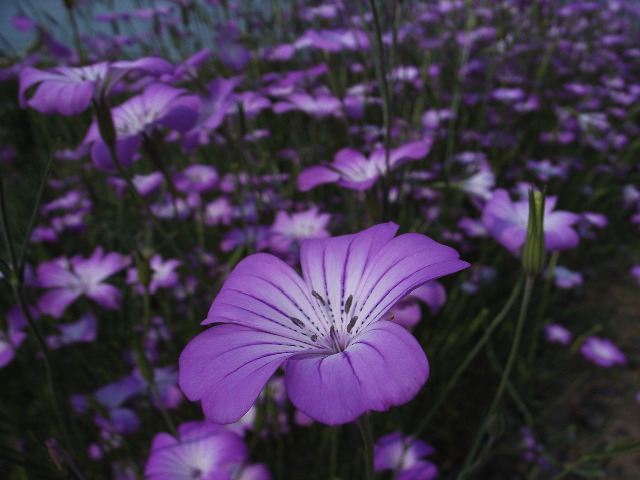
533, 252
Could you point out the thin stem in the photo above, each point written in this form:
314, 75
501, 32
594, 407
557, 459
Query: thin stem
469, 358
364, 426
528, 288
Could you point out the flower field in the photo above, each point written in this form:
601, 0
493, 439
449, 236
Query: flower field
321, 240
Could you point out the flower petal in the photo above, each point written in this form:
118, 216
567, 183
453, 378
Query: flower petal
227, 366
333, 267
264, 293
56, 301
384, 367
401, 265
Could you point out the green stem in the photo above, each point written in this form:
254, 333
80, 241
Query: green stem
367, 440
469, 358
466, 470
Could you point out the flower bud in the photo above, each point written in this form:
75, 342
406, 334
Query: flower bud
533, 251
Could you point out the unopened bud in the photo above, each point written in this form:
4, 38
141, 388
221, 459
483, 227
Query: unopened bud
533, 252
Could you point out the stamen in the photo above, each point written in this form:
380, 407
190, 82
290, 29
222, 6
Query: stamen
347, 306
353, 321
296, 322
317, 295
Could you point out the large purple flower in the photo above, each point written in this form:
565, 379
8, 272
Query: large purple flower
351, 169
70, 90
341, 357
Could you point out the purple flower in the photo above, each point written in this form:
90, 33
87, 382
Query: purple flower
602, 352
289, 230
506, 221
327, 328
9, 343
196, 178
71, 278
635, 272
84, 330
351, 169
404, 456
163, 274
565, 278
157, 105
557, 333
70, 90
202, 450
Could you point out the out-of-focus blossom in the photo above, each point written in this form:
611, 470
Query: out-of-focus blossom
533, 450
319, 105
407, 312
163, 274
635, 272
405, 457
351, 169
83, 330
70, 90
69, 279
196, 178
333, 40
565, 278
506, 221
290, 229
603, 352
557, 334
135, 120
203, 450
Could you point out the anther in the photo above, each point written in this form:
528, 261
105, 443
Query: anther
353, 321
347, 306
317, 295
296, 322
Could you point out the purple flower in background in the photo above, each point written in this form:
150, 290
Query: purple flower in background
404, 455
557, 333
196, 178
342, 359
565, 278
9, 343
407, 312
602, 352
203, 450
351, 169
506, 221
163, 274
321, 105
158, 105
290, 229
70, 90
635, 272
72, 278
84, 330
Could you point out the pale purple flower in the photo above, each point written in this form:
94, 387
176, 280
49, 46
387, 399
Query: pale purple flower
203, 450
290, 229
83, 330
565, 278
163, 274
557, 334
319, 105
9, 343
327, 327
147, 184
196, 178
70, 90
158, 105
506, 221
333, 40
351, 169
635, 272
218, 212
405, 457
69, 279
407, 312
602, 352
